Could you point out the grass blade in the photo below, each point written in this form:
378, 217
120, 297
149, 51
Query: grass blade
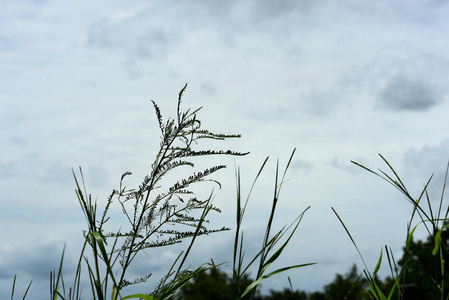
254, 284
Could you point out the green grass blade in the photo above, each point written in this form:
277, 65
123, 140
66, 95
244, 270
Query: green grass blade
410, 239
393, 288
13, 286
442, 192
379, 262
279, 251
26, 291
257, 177
363, 167
254, 284
375, 290
285, 172
350, 236
437, 239
180, 282
55, 279
139, 296
394, 172
99, 240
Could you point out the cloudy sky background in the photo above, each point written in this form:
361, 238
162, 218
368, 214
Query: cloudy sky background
338, 80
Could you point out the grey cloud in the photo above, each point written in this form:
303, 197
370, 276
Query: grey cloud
208, 88
401, 78
132, 68
269, 9
277, 113
44, 170
155, 31
294, 15
47, 171
345, 166
148, 33
256, 10
11, 118
141, 36
7, 170
422, 12
96, 175
18, 141
420, 164
404, 93
283, 21
55, 172
5, 43
35, 259
318, 101
302, 165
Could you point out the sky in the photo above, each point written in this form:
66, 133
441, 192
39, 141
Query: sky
337, 80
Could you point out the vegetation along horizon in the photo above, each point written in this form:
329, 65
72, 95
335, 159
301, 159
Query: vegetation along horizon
163, 212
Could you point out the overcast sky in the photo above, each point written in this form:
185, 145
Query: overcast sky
338, 80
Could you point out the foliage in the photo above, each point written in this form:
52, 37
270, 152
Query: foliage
265, 255
160, 215
421, 272
240, 287
216, 284
286, 294
213, 284
156, 217
425, 274
349, 286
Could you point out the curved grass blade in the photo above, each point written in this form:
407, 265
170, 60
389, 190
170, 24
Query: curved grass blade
254, 284
139, 296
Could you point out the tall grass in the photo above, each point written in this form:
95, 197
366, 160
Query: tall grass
268, 252
161, 217
159, 214
433, 219
156, 217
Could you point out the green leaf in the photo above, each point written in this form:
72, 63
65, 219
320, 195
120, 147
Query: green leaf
437, 239
437, 242
139, 296
378, 263
409, 238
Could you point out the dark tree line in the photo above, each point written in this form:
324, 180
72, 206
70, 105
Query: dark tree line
422, 279
217, 285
